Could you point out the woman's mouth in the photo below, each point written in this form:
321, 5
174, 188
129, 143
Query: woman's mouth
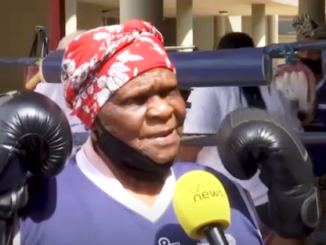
166, 137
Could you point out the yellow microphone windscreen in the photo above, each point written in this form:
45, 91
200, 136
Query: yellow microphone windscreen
199, 200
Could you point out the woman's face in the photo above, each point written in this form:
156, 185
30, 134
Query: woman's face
147, 113
311, 58
313, 55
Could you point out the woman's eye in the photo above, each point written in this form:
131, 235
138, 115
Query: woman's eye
175, 92
137, 100
169, 92
141, 100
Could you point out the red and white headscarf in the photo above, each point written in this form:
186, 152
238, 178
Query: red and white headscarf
99, 62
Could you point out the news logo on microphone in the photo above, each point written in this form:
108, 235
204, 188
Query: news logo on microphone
207, 189
199, 200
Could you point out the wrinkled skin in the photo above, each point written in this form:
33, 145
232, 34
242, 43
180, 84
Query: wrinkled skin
145, 108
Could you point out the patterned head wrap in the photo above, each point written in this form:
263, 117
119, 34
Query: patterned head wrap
99, 62
308, 28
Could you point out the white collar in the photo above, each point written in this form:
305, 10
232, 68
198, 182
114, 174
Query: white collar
111, 186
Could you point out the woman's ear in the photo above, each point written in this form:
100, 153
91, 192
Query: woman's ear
96, 129
94, 136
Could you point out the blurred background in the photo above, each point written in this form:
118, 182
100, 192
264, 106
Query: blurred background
185, 22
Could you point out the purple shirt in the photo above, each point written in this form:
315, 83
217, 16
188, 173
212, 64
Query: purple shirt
72, 210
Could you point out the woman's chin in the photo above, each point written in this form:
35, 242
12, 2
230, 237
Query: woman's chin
160, 155
162, 161
163, 157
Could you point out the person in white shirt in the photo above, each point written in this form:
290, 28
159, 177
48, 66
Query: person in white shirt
209, 106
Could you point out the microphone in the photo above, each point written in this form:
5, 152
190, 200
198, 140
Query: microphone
202, 207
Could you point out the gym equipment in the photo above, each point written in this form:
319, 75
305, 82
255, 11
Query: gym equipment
253, 66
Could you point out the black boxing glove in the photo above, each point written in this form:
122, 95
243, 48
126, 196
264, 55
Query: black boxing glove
252, 139
35, 138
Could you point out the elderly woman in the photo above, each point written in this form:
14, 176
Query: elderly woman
118, 188
309, 30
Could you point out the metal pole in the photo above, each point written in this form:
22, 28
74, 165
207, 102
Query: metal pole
210, 140
179, 47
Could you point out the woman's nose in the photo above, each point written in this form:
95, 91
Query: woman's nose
160, 108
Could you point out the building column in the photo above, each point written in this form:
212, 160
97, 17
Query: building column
184, 22
148, 10
246, 24
219, 27
315, 9
258, 24
272, 29
70, 16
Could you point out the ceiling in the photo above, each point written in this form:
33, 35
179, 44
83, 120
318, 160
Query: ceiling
212, 7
